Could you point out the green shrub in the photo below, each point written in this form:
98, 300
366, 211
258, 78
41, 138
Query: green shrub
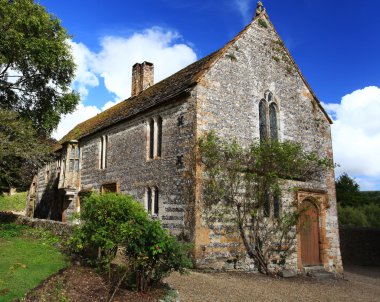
110, 221
350, 216
372, 213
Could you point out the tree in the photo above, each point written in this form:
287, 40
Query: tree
20, 150
242, 189
347, 191
36, 64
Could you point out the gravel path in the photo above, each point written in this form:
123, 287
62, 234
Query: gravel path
360, 284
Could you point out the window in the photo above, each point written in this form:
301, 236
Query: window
74, 158
152, 201
154, 138
109, 188
272, 202
268, 112
103, 152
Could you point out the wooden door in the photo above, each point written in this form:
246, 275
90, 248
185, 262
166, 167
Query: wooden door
309, 235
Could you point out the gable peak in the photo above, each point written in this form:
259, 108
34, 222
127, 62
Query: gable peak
259, 9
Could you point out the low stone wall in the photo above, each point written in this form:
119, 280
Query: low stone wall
360, 246
56, 227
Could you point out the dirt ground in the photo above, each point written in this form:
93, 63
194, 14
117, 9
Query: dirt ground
359, 284
78, 284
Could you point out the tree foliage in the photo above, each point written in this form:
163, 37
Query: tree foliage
36, 64
347, 191
242, 185
110, 221
20, 150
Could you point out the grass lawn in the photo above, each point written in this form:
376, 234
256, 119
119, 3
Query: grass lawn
27, 257
15, 202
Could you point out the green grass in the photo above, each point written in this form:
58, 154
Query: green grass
15, 202
27, 257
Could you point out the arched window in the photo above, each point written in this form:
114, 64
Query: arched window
268, 117
273, 122
263, 120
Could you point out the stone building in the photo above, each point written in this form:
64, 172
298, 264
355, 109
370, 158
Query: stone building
142, 145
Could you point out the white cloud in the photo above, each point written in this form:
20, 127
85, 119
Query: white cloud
69, 121
113, 63
356, 135
85, 78
118, 55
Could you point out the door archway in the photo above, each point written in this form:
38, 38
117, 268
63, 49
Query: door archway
309, 234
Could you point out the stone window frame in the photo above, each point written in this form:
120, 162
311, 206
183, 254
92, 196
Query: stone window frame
103, 148
154, 137
272, 206
151, 202
267, 106
74, 158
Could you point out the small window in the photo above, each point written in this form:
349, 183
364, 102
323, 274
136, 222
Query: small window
103, 152
151, 138
149, 200
154, 137
273, 122
152, 200
263, 120
159, 136
276, 206
155, 208
109, 188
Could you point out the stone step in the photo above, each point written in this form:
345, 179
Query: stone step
320, 275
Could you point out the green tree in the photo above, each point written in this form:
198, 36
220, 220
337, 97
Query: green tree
242, 189
36, 64
347, 191
20, 150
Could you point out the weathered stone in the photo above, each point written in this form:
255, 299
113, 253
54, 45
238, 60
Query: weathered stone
287, 273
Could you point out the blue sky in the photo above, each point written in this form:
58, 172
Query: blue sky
336, 44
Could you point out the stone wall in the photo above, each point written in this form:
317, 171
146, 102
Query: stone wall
129, 166
228, 99
56, 227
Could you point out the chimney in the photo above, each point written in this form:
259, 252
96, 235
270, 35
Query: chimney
142, 77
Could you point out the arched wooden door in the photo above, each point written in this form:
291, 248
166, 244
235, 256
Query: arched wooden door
309, 231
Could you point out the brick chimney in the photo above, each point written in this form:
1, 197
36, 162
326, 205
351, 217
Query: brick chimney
142, 77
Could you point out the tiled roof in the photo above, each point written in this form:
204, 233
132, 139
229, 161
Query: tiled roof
159, 93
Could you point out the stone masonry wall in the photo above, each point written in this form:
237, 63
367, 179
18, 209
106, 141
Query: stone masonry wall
228, 99
129, 167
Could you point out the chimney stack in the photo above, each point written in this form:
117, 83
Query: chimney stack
142, 77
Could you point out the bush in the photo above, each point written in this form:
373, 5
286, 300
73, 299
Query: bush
110, 221
350, 216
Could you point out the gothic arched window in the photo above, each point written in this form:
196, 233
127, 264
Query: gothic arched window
268, 117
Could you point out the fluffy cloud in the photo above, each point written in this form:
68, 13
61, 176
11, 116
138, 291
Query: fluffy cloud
113, 64
356, 135
68, 122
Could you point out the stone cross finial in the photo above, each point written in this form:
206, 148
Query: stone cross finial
259, 8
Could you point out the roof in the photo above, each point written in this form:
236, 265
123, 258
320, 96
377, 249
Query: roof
161, 92
165, 90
